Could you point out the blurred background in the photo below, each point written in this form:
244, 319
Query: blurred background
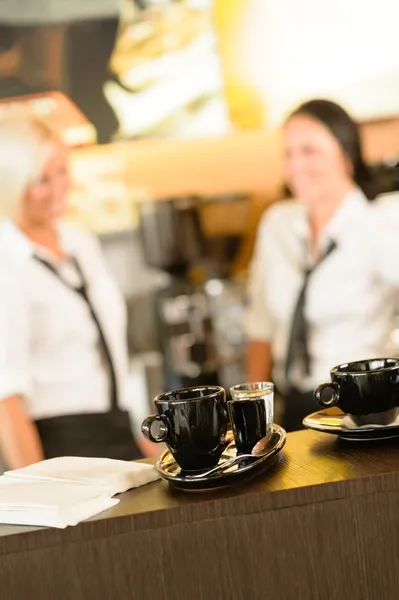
172, 109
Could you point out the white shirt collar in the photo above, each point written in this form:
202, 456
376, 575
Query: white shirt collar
349, 209
13, 241
16, 243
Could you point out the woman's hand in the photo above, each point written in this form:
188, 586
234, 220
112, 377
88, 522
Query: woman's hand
259, 361
20, 443
149, 449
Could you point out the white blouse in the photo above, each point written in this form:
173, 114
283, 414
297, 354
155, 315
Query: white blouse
50, 350
351, 298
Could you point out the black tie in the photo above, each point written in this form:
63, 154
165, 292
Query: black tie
298, 341
82, 292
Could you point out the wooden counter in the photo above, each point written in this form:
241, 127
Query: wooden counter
324, 524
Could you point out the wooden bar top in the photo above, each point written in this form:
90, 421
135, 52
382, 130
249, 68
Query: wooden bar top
313, 467
321, 525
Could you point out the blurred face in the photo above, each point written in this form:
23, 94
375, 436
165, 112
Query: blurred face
314, 164
45, 199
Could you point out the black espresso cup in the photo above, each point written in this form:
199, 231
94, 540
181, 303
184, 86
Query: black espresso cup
193, 424
368, 390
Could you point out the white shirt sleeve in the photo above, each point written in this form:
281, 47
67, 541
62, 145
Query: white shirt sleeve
14, 339
384, 238
258, 321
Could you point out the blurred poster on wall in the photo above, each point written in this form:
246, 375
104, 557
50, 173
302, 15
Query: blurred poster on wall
134, 68
166, 71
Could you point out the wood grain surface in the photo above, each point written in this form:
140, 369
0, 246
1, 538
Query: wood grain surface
324, 523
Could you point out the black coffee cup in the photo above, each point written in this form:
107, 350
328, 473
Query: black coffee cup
193, 424
368, 390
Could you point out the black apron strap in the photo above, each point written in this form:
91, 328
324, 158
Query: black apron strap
83, 293
103, 435
298, 339
297, 405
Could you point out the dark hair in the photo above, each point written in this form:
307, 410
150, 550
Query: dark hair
346, 132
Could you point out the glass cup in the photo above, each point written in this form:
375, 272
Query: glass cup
251, 413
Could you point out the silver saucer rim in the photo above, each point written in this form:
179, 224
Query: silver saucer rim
236, 473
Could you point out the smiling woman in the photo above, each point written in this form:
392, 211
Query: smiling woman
311, 155
324, 273
63, 358
34, 183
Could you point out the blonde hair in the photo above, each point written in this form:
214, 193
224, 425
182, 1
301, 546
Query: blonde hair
25, 144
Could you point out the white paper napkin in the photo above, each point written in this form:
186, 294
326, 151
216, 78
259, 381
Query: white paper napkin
105, 474
49, 503
348, 423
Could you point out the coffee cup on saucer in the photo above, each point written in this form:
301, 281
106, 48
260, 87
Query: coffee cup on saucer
367, 390
193, 424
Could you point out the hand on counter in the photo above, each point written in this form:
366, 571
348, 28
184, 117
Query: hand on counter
149, 449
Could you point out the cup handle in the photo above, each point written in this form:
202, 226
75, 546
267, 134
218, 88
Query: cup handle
318, 392
164, 428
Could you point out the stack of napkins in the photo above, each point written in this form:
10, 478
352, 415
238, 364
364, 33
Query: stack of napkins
64, 491
48, 503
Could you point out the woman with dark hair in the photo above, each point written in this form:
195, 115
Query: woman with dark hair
326, 265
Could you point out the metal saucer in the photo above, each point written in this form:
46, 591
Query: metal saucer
331, 421
170, 471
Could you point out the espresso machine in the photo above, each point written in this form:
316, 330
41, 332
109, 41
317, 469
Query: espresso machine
173, 240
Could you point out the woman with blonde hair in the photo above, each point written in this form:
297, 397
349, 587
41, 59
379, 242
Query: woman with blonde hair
63, 359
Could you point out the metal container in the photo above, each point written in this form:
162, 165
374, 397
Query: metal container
171, 234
